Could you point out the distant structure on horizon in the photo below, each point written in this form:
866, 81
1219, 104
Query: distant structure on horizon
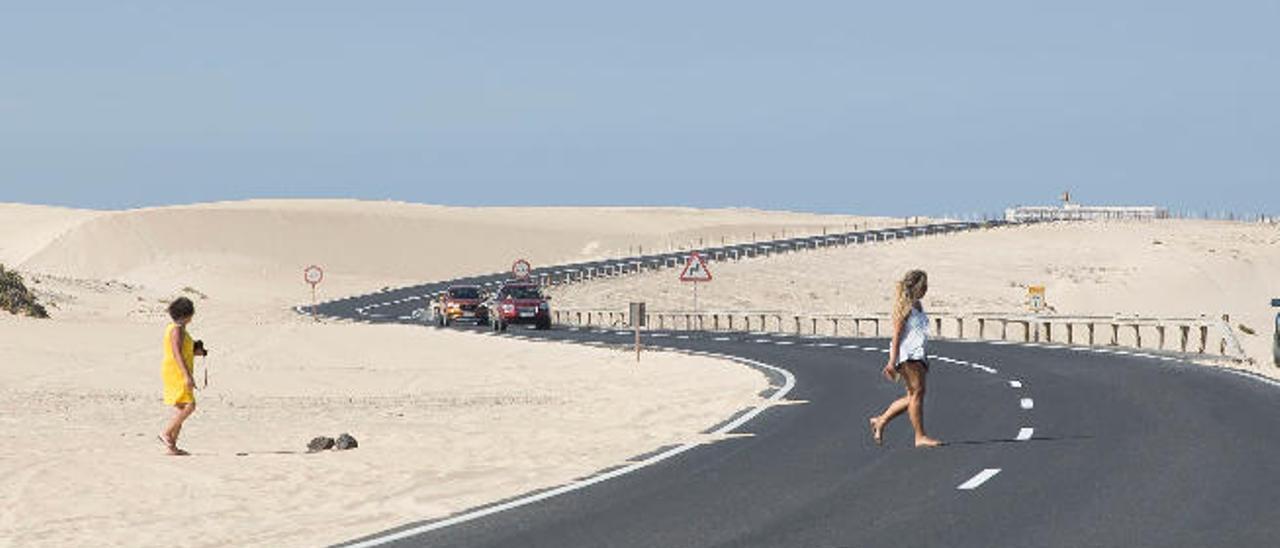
1075, 212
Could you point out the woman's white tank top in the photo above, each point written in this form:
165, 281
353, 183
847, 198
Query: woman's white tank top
914, 334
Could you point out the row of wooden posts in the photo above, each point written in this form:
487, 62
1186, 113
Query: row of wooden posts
569, 275
1191, 335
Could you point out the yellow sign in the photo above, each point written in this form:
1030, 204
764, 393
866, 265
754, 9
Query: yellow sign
1035, 297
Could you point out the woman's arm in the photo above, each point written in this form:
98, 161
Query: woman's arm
175, 343
893, 349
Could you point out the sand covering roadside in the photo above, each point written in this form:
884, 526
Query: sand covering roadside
1173, 268
445, 420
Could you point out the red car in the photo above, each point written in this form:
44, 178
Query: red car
460, 302
519, 303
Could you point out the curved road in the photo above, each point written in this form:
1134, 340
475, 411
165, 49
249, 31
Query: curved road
1048, 446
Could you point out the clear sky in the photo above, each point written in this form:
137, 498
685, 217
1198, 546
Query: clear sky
863, 107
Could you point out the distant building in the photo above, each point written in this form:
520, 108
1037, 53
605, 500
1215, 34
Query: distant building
1076, 212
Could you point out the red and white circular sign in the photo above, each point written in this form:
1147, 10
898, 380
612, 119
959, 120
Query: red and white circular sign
521, 268
313, 274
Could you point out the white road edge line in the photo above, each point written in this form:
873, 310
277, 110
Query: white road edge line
977, 481
1025, 434
1027, 403
789, 383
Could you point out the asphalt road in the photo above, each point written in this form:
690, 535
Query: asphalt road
1077, 448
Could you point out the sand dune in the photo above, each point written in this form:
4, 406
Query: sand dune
446, 420
1169, 268
362, 245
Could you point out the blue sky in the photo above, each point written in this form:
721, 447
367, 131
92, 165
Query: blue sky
862, 107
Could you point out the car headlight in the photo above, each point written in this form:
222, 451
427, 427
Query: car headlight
508, 307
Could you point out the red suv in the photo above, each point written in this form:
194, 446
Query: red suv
460, 302
519, 303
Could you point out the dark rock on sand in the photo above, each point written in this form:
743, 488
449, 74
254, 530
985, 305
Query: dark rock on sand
345, 441
320, 444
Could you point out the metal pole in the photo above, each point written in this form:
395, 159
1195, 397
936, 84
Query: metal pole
313, 304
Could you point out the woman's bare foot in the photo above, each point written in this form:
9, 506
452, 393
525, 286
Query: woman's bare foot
877, 430
926, 441
170, 447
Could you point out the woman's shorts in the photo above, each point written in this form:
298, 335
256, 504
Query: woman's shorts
898, 366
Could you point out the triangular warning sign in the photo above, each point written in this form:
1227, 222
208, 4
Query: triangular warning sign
695, 270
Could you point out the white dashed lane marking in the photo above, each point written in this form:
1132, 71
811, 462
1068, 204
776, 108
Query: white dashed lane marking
1027, 403
1015, 384
1025, 434
977, 481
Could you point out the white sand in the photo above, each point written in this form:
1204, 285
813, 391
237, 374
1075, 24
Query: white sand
1167, 268
446, 420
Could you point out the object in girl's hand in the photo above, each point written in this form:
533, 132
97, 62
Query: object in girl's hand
199, 349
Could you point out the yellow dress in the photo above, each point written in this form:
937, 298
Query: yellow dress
175, 383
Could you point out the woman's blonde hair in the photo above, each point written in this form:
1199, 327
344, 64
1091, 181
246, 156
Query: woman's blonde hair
909, 289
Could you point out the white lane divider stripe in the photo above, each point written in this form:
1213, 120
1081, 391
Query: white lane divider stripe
977, 481
784, 343
721, 339
1015, 384
1027, 403
1025, 434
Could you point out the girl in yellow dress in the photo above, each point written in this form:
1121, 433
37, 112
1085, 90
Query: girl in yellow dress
177, 371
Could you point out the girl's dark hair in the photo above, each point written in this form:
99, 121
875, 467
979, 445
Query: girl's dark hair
180, 308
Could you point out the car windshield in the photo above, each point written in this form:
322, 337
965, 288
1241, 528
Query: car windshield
465, 293
522, 292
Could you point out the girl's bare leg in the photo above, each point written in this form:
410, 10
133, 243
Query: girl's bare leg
878, 422
170, 435
914, 374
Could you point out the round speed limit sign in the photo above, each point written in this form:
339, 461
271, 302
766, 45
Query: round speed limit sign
521, 268
313, 274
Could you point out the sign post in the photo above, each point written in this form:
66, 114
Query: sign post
695, 270
1275, 345
313, 275
637, 321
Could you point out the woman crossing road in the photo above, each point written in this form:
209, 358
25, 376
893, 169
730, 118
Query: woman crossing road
907, 358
